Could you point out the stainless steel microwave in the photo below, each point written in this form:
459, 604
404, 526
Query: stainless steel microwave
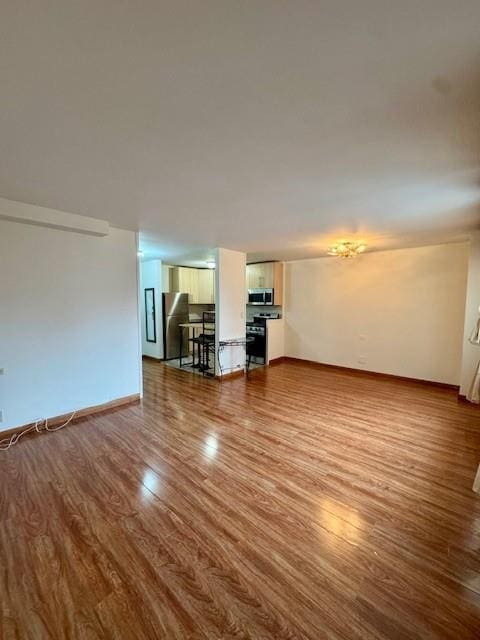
262, 297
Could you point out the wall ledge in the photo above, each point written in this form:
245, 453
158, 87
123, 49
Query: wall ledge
24, 213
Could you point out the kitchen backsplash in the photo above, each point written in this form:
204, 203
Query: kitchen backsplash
255, 310
195, 311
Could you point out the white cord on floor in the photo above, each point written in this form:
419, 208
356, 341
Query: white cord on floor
47, 428
6, 443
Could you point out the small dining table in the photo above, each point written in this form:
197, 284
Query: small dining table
194, 326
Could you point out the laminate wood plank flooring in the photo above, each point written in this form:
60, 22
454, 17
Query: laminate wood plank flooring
302, 503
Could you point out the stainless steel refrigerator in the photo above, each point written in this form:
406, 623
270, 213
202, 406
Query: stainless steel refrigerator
175, 312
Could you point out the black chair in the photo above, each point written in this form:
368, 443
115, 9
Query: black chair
206, 343
249, 351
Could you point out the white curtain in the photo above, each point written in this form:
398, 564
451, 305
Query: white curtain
474, 392
475, 337
476, 483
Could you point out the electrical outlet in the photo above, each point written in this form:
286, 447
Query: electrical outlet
362, 360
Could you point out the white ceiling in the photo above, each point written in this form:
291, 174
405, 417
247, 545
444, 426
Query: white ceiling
266, 126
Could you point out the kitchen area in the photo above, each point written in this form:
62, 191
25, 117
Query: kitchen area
178, 315
264, 311
188, 309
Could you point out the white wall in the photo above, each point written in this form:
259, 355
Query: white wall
399, 312
68, 321
151, 276
471, 353
230, 274
275, 339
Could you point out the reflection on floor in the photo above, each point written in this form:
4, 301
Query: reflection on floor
300, 503
175, 364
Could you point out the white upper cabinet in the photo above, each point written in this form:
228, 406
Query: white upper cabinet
260, 276
266, 275
206, 286
198, 283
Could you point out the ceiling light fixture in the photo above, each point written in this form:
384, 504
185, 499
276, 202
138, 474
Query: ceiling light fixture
346, 249
211, 264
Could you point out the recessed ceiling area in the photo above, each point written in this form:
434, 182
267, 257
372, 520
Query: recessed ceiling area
275, 128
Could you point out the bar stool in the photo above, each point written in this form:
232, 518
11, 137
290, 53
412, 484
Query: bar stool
206, 343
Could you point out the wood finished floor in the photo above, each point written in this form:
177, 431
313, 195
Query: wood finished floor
303, 503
